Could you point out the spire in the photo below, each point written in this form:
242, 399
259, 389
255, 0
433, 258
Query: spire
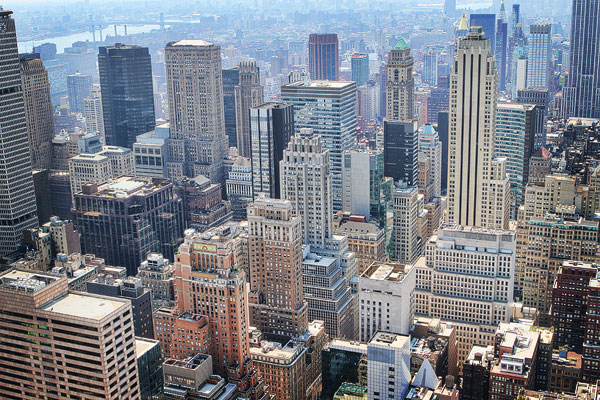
502, 11
463, 25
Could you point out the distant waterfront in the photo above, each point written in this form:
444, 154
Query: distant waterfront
67, 40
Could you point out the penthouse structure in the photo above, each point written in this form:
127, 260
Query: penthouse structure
68, 341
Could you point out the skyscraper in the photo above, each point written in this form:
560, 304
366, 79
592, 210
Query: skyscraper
501, 47
57, 319
328, 266
450, 8
275, 254
400, 151
127, 94
329, 109
487, 22
430, 144
430, 67
518, 61
323, 56
79, 87
38, 111
539, 66
207, 268
271, 127
582, 89
197, 143
407, 244
400, 84
477, 182
92, 110
17, 207
248, 94
360, 68
231, 78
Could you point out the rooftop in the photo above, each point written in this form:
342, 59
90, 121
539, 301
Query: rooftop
400, 45
350, 227
393, 272
27, 281
321, 84
85, 306
191, 42
142, 345
390, 339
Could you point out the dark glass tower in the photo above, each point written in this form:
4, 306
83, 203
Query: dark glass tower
582, 90
231, 78
271, 127
400, 151
501, 47
487, 22
127, 96
323, 56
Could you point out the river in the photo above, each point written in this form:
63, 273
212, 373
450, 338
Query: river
67, 40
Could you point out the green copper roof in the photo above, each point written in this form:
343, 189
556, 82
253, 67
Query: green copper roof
401, 45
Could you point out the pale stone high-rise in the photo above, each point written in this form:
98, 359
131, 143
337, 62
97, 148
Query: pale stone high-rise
38, 111
197, 143
92, 110
478, 185
406, 242
400, 84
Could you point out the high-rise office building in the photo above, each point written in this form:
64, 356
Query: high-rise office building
430, 67
478, 187
388, 366
119, 223
271, 127
77, 337
407, 245
439, 99
360, 68
501, 47
127, 94
487, 22
515, 139
231, 78
79, 87
17, 207
364, 184
582, 89
400, 151
323, 56
248, 94
38, 111
197, 143
277, 305
92, 111
429, 143
450, 8
543, 243
519, 55
329, 108
207, 267
368, 102
539, 62
400, 85
467, 277
328, 266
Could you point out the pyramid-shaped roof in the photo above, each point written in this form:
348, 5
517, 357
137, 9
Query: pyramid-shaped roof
400, 45
463, 26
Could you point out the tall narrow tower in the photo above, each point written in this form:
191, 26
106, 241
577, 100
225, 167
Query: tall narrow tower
18, 209
539, 68
400, 84
582, 90
248, 94
477, 185
197, 143
38, 110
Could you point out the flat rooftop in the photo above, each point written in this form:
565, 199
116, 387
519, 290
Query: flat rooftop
142, 345
392, 272
320, 84
27, 281
84, 306
191, 42
390, 339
